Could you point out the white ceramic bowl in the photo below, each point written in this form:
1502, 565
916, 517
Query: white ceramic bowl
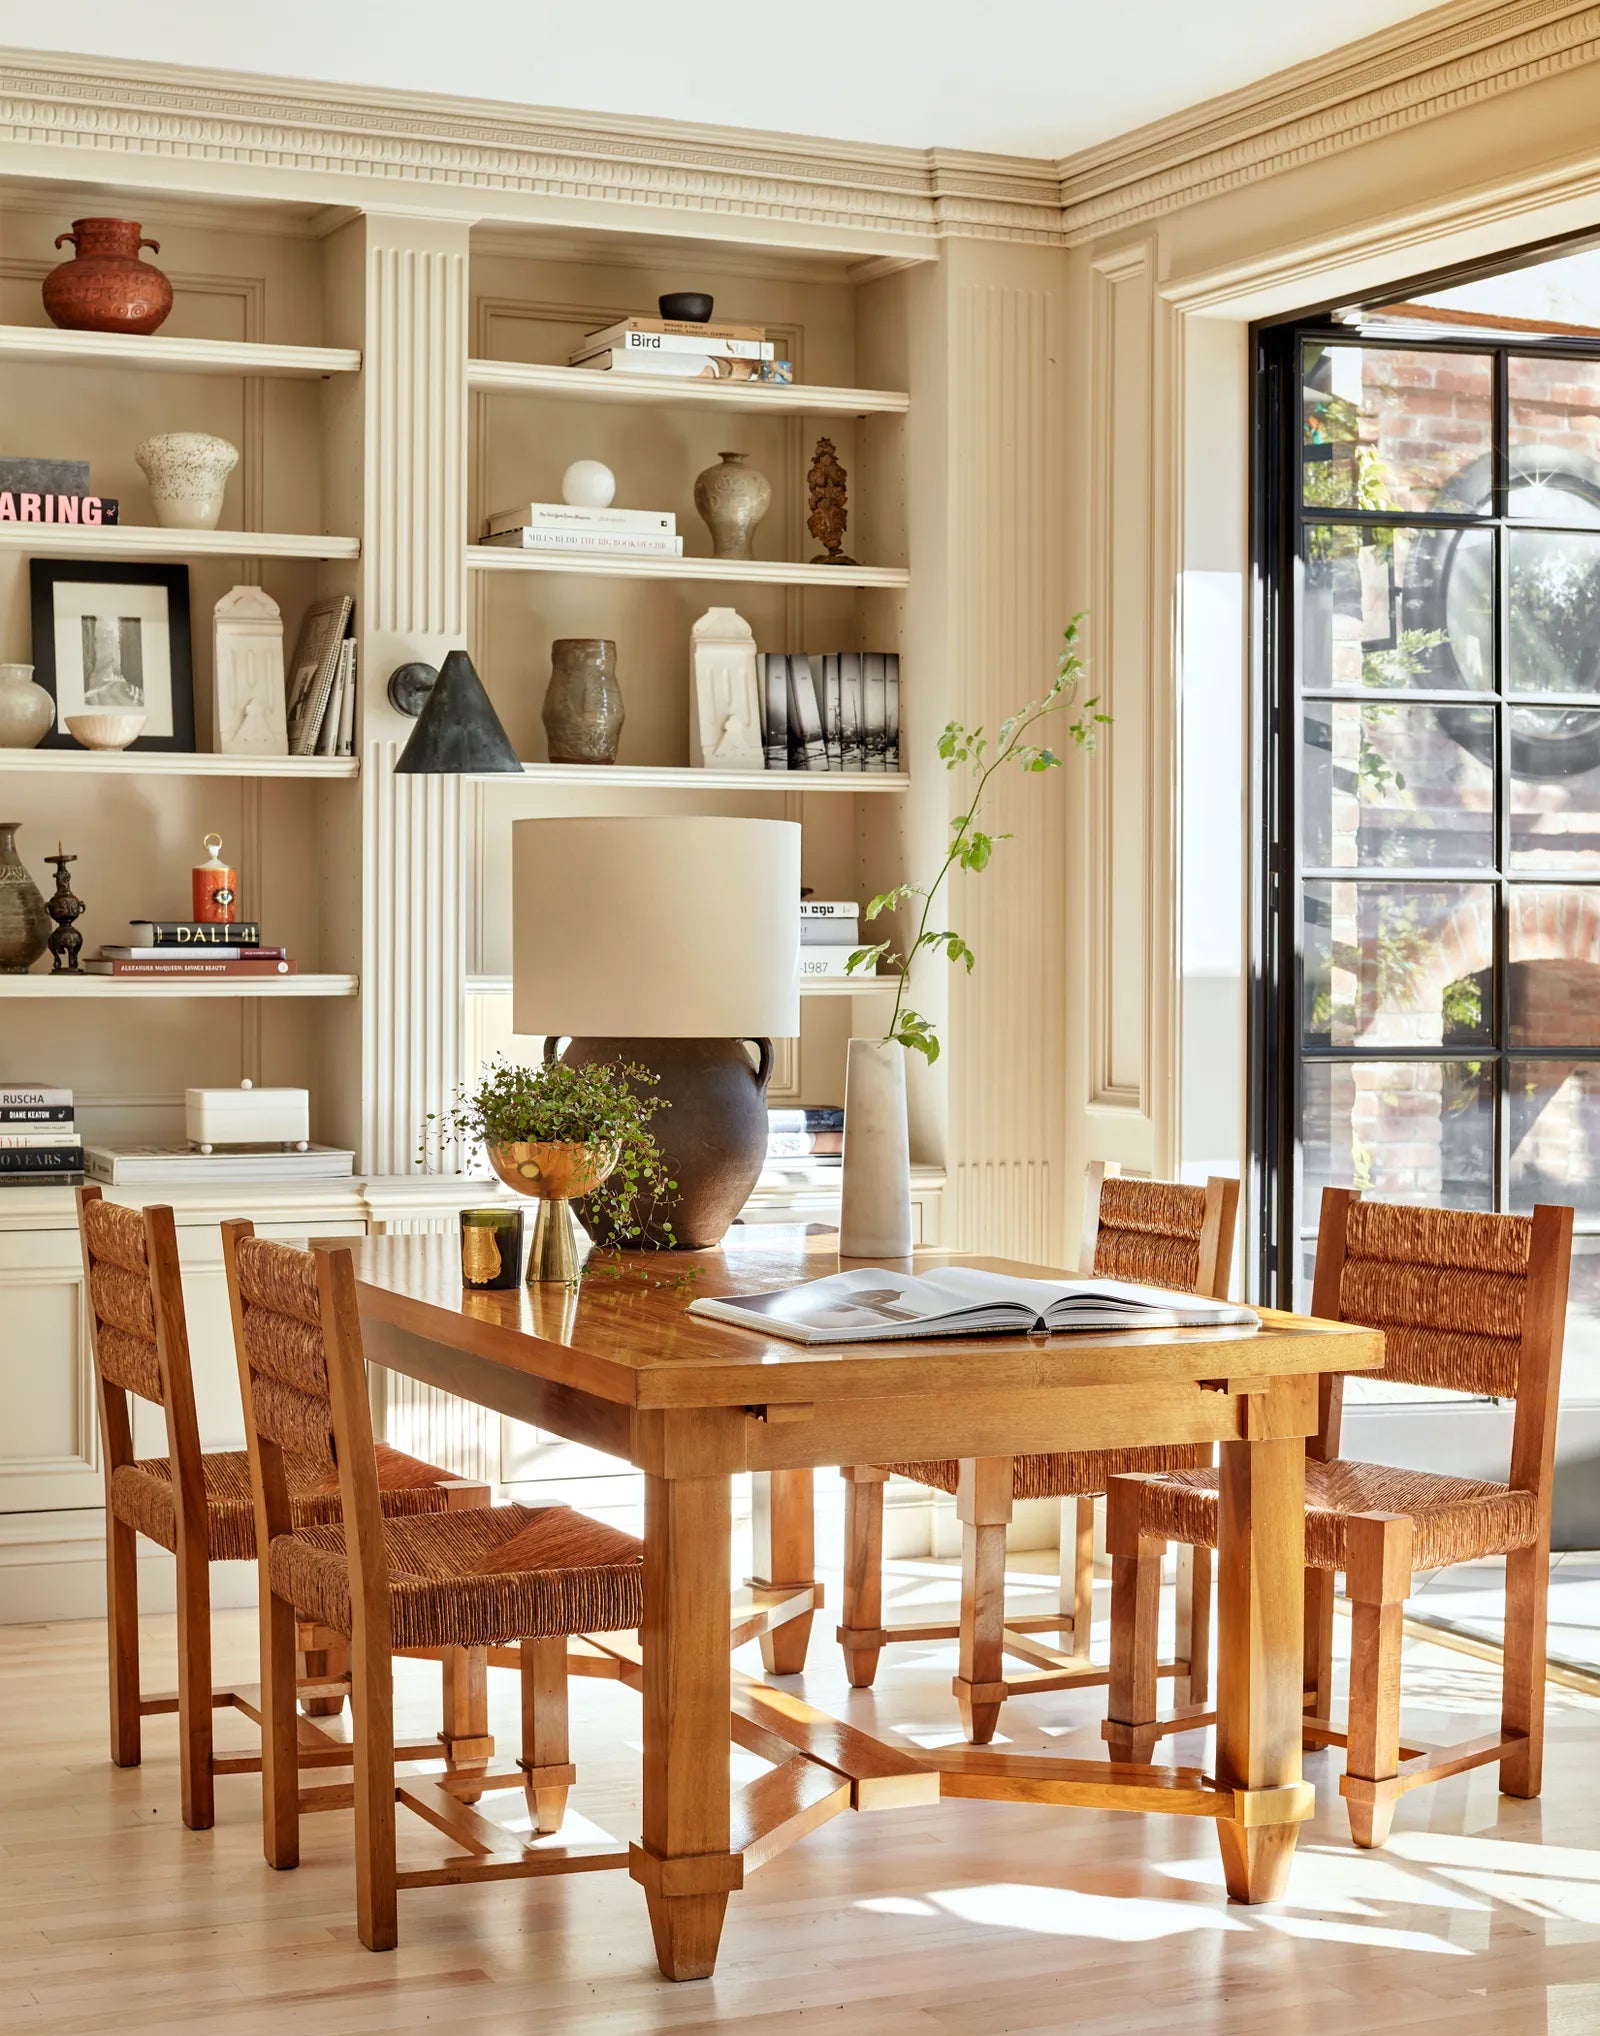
106, 731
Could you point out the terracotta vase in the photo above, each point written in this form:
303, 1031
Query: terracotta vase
732, 498
105, 287
24, 923
583, 709
26, 710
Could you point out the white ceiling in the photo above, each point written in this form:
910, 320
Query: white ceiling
1030, 77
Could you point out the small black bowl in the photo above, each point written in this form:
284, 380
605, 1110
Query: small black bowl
689, 307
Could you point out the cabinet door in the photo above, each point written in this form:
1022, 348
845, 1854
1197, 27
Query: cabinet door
49, 1437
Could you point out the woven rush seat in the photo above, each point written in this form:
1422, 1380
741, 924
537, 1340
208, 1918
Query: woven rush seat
476, 1579
1457, 1519
142, 1495
1065, 1475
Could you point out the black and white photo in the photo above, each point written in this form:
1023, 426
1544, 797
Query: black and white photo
114, 637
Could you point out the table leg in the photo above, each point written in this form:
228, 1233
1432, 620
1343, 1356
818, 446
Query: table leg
784, 1554
1260, 1615
683, 1861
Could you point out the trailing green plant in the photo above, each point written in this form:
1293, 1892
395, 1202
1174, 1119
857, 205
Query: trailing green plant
599, 1103
970, 848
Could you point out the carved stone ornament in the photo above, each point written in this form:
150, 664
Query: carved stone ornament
725, 708
247, 710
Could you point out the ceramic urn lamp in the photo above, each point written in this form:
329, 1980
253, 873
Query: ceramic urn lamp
605, 956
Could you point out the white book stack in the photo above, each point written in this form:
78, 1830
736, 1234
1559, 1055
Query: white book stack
673, 348
564, 527
830, 932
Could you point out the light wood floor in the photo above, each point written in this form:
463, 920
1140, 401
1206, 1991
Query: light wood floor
1482, 1919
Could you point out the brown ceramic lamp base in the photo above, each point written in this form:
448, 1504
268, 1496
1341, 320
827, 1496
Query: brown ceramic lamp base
713, 1137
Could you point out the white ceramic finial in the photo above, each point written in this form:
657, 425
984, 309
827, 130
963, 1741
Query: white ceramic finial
588, 484
247, 1083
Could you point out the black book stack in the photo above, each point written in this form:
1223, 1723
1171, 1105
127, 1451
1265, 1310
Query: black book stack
40, 1144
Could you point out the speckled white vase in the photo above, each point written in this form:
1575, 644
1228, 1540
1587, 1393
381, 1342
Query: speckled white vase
875, 1199
188, 475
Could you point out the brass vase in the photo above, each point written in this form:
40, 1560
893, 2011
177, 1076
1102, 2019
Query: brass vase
552, 1174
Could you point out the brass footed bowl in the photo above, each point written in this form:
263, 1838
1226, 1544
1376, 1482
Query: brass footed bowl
555, 1172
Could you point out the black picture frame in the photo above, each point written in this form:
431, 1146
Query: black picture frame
47, 574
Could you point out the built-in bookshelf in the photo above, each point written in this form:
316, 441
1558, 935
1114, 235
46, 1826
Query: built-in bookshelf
162, 353
89, 764
705, 778
66, 988
583, 385
498, 558
150, 541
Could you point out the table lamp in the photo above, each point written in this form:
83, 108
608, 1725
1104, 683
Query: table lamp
672, 942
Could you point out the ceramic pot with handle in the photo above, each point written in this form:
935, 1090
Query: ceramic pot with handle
105, 287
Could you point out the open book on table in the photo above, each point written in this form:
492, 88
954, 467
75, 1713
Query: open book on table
868, 1304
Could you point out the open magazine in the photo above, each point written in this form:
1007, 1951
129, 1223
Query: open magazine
869, 1304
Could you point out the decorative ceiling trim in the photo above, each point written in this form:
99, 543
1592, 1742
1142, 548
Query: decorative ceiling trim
1452, 57
469, 156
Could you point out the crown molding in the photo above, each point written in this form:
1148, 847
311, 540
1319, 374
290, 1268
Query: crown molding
479, 158
1452, 57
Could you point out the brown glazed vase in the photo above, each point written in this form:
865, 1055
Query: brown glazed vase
712, 1134
24, 923
105, 287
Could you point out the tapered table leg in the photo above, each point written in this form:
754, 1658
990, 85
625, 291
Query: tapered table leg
683, 1861
784, 1554
1260, 1615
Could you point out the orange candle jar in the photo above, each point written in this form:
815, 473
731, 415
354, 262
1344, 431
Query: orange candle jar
216, 887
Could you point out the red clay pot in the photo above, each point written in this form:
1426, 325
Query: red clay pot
105, 287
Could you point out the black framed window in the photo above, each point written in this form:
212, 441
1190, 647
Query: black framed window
1430, 980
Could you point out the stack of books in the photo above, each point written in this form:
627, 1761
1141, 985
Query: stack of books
672, 347
155, 1166
161, 949
830, 932
833, 711
40, 1144
561, 526
815, 1133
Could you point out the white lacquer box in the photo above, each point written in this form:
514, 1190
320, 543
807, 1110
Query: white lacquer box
247, 1116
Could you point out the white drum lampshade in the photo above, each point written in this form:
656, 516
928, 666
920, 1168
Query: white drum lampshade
661, 926
666, 943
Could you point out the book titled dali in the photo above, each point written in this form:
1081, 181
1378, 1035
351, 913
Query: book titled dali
193, 933
870, 1304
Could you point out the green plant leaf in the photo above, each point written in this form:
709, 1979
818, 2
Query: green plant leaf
887, 900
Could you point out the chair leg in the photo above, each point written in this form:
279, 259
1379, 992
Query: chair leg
280, 1762
1522, 1692
861, 1630
983, 1505
545, 1751
323, 1657
197, 1786
465, 1719
1077, 1570
122, 1638
1378, 1578
1194, 1624
1318, 1669
372, 1718
1135, 1619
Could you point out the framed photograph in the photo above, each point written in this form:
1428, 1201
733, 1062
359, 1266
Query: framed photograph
114, 635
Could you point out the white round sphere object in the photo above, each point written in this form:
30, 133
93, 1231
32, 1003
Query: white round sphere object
588, 484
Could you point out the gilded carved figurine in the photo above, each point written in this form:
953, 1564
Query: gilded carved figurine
829, 515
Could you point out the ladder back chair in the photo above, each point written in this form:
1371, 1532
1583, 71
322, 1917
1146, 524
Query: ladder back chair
496, 1577
198, 1506
1157, 1233
1468, 1303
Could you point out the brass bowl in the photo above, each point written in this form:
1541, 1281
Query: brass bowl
553, 1172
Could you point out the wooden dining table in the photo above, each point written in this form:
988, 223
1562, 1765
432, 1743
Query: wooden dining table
624, 1367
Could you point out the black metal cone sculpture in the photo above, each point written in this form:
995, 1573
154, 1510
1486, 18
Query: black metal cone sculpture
458, 731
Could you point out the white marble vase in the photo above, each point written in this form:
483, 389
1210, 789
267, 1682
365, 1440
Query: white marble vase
875, 1206
188, 475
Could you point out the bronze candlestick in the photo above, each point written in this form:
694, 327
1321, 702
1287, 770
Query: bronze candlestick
63, 908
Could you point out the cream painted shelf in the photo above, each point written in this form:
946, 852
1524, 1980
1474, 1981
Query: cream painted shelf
494, 558
61, 987
662, 778
585, 385
44, 346
174, 763
133, 540
815, 986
